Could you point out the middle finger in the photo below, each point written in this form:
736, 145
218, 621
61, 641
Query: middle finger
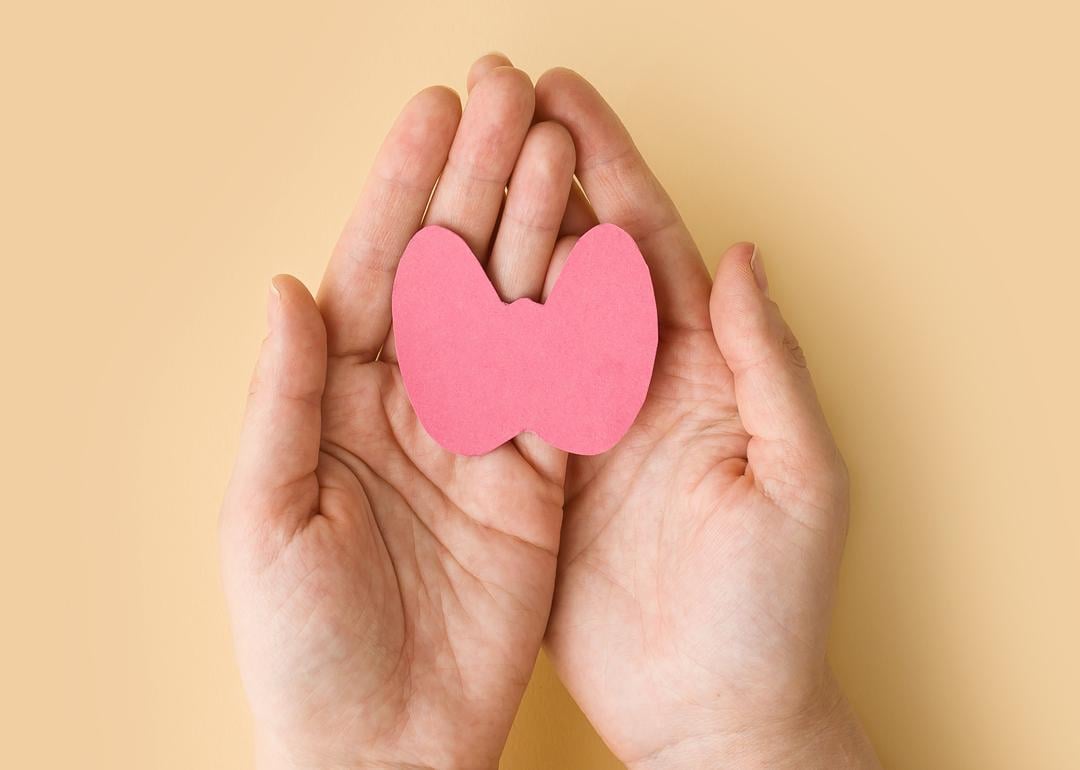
470, 192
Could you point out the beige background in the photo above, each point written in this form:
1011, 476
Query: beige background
911, 174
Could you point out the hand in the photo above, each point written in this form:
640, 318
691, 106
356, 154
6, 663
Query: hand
389, 598
699, 556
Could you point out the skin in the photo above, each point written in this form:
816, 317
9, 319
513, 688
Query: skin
389, 598
699, 556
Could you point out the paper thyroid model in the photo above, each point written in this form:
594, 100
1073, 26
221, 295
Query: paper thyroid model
574, 370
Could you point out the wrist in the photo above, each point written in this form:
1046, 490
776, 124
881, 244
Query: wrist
825, 734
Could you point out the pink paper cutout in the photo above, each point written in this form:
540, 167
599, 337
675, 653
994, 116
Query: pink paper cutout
574, 370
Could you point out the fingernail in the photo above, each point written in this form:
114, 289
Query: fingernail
273, 302
757, 265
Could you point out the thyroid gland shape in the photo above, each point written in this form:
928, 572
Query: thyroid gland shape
574, 370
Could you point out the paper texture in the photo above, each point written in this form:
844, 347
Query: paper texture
574, 370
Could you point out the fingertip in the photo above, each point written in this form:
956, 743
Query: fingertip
437, 94
738, 255
293, 307
435, 109
561, 90
421, 136
283, 282
738, 308
734, 271
273, 300
484, 65
504, 100
423, 129
507, 81
280, 285
558, 76
547, 88
287, 289
742, 260
551, 149
557, 134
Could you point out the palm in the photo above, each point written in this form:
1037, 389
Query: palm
389, 598
672, 551
409, 602
697, 557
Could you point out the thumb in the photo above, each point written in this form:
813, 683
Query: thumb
274, 476
791, 452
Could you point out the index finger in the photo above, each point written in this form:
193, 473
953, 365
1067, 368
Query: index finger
355, 293
623, 191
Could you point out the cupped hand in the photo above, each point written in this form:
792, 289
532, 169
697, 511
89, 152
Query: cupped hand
389, 598
699, 556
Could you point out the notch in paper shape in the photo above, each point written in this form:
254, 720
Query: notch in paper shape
575, 370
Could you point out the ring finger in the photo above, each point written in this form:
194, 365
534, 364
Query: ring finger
535, 205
